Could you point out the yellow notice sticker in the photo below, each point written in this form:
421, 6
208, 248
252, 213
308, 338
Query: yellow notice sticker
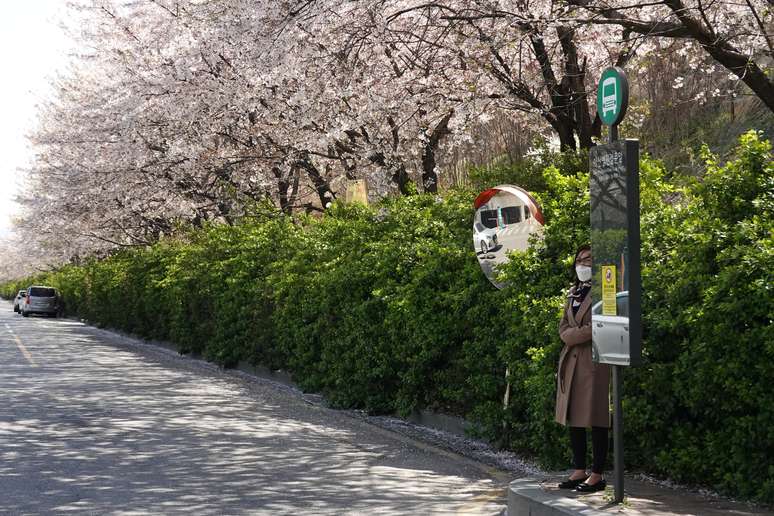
608, 290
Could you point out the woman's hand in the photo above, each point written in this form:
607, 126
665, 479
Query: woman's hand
574, 335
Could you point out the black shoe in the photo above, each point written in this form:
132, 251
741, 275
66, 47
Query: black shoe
571, 484
593, 488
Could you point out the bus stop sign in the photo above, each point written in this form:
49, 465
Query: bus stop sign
612, 96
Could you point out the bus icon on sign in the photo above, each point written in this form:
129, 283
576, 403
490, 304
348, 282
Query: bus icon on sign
608, 96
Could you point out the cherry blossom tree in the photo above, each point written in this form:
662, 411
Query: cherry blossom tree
390, 119
737, 35
180, 112
527, 57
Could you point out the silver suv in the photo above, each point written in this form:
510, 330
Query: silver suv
40, 300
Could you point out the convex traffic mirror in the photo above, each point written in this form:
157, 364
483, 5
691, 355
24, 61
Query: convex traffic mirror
506, 216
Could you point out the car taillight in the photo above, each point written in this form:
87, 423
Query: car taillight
27, 300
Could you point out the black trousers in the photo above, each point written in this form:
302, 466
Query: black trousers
598, 447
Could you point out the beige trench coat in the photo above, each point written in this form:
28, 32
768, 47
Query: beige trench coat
582, 386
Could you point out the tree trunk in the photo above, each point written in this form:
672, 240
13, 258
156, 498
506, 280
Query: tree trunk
429, 174
562, 115
563, 125
567, 134
321, 185
401, 178
578, 99
287, 187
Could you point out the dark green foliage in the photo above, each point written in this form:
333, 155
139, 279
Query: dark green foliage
529, 173
707, 388
386, 309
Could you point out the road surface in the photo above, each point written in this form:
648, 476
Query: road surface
93, 422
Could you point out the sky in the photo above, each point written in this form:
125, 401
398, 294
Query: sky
34, 48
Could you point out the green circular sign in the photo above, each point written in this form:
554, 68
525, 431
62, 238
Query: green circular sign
612, 96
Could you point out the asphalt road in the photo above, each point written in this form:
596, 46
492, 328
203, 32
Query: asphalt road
96, 423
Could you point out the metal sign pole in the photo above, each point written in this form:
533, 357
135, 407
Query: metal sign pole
618, 459
618, 435
613, 133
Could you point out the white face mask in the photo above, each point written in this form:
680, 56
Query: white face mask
583, 272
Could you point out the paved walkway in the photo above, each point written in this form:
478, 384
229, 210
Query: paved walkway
541, 497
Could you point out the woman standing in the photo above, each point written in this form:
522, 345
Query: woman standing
582, 385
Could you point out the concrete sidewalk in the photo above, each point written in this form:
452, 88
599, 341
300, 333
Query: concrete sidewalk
541, 497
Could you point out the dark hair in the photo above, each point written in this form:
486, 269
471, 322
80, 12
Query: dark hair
584, 247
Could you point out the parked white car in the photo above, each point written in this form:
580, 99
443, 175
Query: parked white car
18, 300
484, 238
612, 331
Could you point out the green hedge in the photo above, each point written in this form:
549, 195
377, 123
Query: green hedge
386, 309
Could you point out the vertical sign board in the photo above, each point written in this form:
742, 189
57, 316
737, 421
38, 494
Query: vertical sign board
615, 241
